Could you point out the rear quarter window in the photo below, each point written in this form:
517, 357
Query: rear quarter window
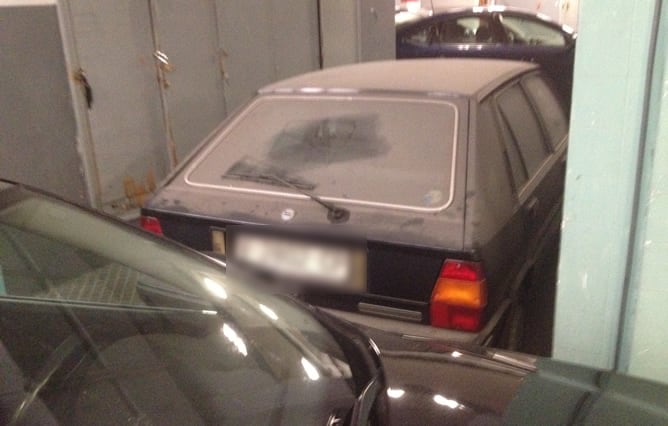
492, 180
549, 107
524, 127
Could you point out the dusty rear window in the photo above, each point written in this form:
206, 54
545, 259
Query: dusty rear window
372, 150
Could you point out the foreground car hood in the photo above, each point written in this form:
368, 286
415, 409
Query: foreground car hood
430, 382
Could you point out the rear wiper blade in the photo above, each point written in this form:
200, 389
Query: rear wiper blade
335, 214
267, 178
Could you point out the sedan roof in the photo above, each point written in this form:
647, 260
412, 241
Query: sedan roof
463, 77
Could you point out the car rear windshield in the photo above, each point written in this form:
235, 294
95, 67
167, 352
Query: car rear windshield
387, 151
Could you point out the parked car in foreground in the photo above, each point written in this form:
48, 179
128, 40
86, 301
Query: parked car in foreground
104, 324
491, 32
421, 191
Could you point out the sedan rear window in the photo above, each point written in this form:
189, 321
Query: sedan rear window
392, 152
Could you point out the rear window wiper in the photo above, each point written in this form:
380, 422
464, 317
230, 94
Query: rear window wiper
335, 214
269, 179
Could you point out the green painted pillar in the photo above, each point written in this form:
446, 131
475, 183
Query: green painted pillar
644, 344
605, 156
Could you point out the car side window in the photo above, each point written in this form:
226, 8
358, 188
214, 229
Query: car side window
462, 30
523, 126
517, 169
521, 30
549, 107
469, 29
493, 161
34, 266
420, 36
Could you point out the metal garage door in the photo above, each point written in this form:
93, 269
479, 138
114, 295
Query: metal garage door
164, 74
154, 72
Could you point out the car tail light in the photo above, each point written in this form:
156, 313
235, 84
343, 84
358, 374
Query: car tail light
151, 224
459, 296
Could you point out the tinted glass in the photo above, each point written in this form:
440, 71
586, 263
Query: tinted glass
524, 127
464, 30
380, 150
423, 36
493, 178
102, 325
549, 107
471, 29
521, 30
38, 267
517, 168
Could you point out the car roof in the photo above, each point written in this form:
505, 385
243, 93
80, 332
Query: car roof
455, 77
486, 9
443, 11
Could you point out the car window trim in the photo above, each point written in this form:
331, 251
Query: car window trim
503, 122
546, 144
534, 106
540, 172
568, 38
500, 139
215, 142
527, 188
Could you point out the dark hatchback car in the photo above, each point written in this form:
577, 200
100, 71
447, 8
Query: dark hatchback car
103, 324
492, 32
420, 191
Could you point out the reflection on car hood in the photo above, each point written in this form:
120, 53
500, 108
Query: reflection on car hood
439, 383
432, 382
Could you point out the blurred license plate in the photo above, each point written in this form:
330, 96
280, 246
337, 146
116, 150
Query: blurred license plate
303, 261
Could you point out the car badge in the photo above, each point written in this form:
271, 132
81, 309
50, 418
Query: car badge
287, 215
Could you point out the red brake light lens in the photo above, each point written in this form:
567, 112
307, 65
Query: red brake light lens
466, 271
151, 224
459, 296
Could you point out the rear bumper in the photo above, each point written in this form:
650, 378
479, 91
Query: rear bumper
423, 331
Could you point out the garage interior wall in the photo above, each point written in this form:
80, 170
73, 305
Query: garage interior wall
356, 31
162, 74
612, 293
37, 121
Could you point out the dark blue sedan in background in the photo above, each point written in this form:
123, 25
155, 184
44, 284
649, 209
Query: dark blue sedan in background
492, 32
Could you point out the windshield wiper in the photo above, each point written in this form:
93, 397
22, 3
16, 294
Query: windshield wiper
335, 214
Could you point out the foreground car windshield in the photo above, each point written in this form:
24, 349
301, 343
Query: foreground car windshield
350, 149
102, 324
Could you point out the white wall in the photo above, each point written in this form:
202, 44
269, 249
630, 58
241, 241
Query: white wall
563, 11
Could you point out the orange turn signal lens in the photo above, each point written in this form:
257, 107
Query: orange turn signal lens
459, 296
467, 294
